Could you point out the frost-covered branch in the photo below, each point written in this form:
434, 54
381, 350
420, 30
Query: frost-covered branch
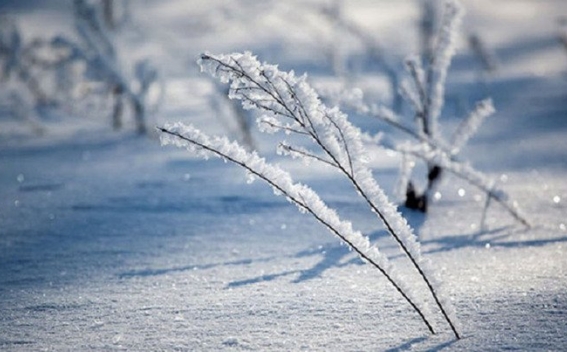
439, 64
470, 124
298, 152
427, 25
289, 101
301, 195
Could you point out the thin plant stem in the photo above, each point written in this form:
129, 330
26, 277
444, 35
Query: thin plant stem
307, 208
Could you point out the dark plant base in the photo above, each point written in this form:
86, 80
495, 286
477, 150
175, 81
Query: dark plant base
415, 201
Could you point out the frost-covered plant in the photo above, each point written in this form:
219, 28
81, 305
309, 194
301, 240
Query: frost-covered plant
60, 72
99, 52
424, 90
290, 105
428, 24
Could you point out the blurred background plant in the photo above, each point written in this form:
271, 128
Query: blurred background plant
80, 77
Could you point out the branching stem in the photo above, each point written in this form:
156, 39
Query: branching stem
303, 204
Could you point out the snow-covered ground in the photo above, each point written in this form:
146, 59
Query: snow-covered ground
110, 242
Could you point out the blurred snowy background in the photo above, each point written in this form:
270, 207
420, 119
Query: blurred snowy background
108, 241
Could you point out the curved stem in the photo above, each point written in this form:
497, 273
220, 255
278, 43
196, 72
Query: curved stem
305, 206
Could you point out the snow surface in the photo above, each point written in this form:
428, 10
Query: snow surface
109, 241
